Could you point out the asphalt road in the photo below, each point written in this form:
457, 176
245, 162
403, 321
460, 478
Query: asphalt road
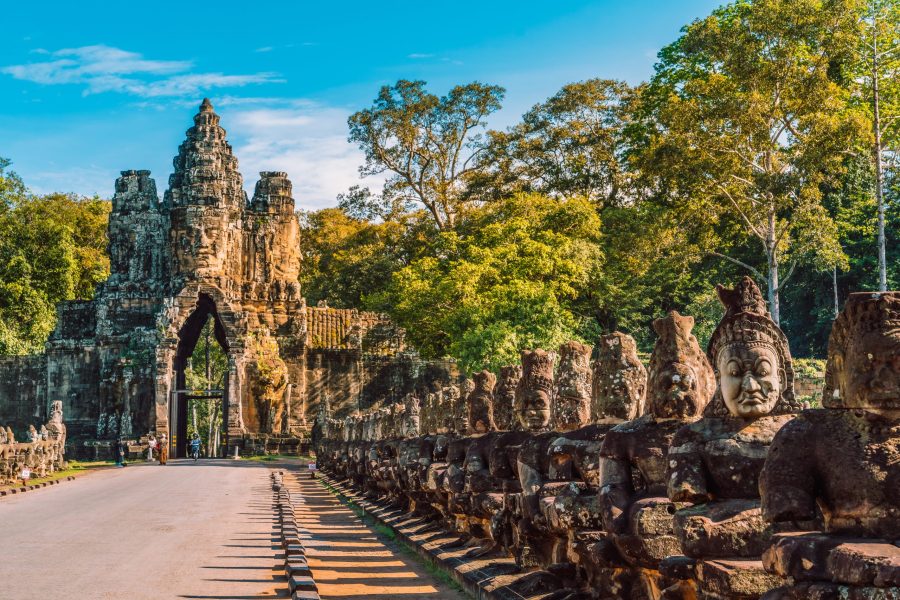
184, 530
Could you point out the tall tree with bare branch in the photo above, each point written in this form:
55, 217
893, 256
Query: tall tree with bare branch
428, 145
744, 121
878, 69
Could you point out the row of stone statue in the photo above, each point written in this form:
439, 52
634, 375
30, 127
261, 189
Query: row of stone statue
42, 453
697, 478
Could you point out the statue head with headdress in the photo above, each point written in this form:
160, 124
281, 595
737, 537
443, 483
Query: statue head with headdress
535, 390
751, 358
681, 380
863, 369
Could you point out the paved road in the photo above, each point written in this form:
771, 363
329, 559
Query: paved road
184, 530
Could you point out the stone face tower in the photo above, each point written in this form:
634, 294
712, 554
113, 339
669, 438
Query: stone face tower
118, 361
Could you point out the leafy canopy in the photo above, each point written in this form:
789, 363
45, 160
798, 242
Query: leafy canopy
505, 279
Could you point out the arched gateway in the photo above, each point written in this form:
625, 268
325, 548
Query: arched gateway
117, 361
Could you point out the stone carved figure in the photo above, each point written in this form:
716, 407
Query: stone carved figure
535, 391
619, 380
480, 403
572, 408
412, 417
635, 510
505, 397
268, 382
714, 463
843, 462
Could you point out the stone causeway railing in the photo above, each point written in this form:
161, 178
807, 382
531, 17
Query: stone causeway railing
296, 568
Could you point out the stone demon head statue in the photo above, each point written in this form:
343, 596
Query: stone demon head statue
751, 358
619, 379
863, 369
572, 408
535, 390
681, 380
480, 403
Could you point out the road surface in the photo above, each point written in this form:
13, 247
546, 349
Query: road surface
184, 530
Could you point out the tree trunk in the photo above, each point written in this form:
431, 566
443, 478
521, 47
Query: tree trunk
772, 275
837, 299
879, 174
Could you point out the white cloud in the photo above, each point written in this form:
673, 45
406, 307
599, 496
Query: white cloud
306, 140
419, 55
264, 49
106, 69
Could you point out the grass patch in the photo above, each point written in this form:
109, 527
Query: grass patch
388, 532
74, 468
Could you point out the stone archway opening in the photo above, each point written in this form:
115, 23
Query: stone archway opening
198, 402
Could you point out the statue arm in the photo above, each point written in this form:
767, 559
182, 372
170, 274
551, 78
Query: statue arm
530, 479
686, 474
787, 481
616, 491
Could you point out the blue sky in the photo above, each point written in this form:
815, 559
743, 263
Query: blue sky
88, 89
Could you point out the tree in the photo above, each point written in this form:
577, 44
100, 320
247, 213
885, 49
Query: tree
744, 120
570, 145
347, 260
879, 70
506, 278
429, 145
52, 248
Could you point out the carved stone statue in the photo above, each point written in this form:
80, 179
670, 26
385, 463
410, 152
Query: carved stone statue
843, 461
619, 381
505, 397
268, 381
632, 499
572, 408
714, 463
535, 389
412, 417
480, 403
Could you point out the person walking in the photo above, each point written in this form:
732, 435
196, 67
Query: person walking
151, 447
120, 453
195, 446
163, 449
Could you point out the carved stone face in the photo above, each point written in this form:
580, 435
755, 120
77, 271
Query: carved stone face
868, 373
573, 387
534, 413
675, 393
749, 379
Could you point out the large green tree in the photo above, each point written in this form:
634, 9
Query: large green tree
569, 145
428, 145
743, 123
52, 248
877, 74
507, 277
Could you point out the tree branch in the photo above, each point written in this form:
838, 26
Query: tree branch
740, 264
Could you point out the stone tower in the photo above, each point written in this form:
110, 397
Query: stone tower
205, 251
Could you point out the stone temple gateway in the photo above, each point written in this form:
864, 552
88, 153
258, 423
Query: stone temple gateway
117, 362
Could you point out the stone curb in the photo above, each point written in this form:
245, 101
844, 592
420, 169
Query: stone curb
484, 579
301, 584
24, 488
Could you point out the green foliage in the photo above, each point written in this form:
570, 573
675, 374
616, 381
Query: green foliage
428, 144
744, 122
347, 259
506, 278
568, 146
52, 248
